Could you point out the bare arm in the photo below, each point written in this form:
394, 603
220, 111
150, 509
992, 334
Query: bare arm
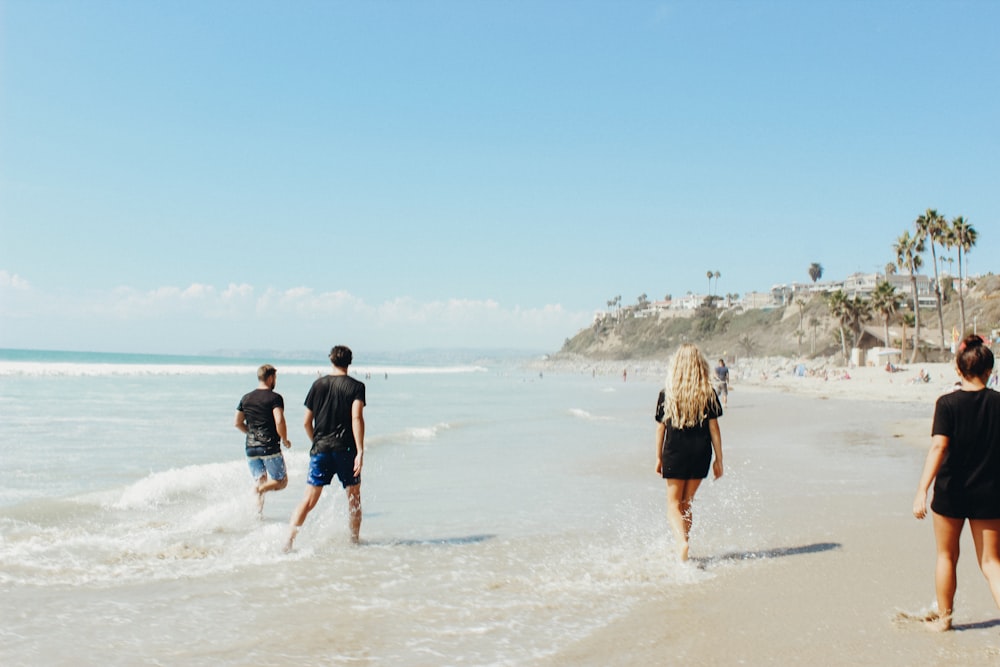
661, 431
713, 430
939, 447
307, 423
281, 427
358, 427
241, 421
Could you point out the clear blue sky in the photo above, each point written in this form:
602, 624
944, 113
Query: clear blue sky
189, 176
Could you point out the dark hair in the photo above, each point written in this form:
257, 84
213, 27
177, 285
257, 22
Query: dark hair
266, 371
341, 356
974, 359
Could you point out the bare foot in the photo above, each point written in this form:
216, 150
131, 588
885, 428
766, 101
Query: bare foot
938, 623
291, 538
682, 551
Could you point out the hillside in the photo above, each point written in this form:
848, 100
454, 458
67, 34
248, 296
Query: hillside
767, 332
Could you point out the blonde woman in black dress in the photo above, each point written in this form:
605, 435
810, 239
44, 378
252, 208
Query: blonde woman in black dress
964, 464
687, 436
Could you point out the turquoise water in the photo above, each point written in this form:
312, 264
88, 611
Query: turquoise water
127, 504
506, 514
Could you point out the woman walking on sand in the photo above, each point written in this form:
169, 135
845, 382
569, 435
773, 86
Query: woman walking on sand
687, 434
964, 464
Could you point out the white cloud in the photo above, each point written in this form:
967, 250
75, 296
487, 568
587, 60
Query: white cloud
199, 316
234, 291
13, 281
198, 291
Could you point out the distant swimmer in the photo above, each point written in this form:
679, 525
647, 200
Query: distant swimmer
687, 436
964, 464
261, 415
335, 423
722, 382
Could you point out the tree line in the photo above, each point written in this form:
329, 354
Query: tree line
931, 231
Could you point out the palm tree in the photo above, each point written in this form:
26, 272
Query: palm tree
906, 320
814, 323
840, 309
890, 269
710, 275
815, 271
801, 303
884, 302
717, 276
931, 227
908, 251
965, 236
859, 311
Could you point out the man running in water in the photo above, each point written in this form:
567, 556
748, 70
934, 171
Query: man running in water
261, 415
335, 424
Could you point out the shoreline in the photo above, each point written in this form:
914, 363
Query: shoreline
817, 377
811, 551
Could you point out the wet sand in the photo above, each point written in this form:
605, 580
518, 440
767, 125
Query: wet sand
811, 547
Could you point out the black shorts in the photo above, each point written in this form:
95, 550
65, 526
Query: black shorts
956, 502
686, 460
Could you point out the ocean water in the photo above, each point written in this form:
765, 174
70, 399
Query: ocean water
495, 526
507, 515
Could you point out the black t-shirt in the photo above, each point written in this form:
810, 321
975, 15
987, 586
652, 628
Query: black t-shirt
330, 399
968, 482
697, 434
262, 434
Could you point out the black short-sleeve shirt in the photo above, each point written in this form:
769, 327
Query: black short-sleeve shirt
262, 433
968, 482
330, 399
686, 453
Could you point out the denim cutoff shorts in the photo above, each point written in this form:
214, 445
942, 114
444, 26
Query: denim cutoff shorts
273, 465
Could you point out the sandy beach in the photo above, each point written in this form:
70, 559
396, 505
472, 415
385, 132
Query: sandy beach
824, 561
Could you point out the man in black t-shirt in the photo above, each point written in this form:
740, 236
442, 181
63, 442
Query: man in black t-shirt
261, 415
335, 424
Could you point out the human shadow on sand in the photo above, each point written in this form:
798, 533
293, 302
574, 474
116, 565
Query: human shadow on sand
778, 552
981, 625
433, 542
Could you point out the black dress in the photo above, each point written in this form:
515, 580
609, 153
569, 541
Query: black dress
967, 485
686, 453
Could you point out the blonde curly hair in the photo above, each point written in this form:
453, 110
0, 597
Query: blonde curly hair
688, 391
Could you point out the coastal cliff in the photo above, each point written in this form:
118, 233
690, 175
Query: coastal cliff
797, 330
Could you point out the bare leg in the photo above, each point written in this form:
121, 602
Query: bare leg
271, 485
947, 532
264, 485
300, 513
680, 493
260, 494
986, 535
354, 510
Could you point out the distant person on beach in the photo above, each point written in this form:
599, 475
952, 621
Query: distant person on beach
261, 416
687, 435
964, 464
335, 423
722, 382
